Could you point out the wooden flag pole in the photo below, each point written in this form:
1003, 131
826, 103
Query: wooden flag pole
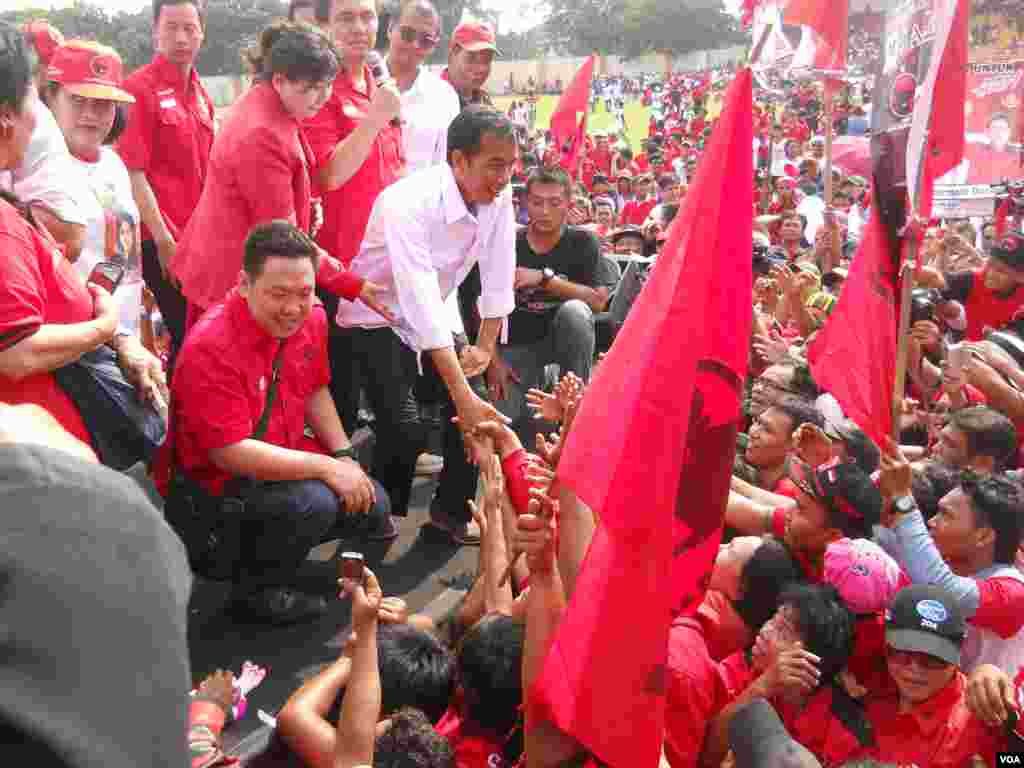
908, 269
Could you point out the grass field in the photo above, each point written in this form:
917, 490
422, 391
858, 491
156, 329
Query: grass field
637, 117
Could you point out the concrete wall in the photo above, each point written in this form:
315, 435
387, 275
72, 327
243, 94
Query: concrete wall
224, 89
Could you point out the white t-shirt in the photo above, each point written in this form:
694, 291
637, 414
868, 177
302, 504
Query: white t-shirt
50, 176
113, 234
428, 108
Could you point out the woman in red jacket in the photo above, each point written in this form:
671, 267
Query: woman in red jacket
260, 168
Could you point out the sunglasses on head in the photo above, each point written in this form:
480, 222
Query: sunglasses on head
422, 39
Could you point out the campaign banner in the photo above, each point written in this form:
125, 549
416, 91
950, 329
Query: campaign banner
996, 30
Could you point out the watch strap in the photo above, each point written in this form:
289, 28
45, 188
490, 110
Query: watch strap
344, 453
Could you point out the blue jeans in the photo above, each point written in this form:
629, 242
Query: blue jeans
284, 520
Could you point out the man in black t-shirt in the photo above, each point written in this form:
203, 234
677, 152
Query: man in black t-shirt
558, 290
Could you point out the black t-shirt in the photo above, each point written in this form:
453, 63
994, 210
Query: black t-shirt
576, 257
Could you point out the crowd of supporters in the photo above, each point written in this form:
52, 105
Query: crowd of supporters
359, 241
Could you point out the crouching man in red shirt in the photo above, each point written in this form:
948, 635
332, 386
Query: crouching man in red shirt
252, 374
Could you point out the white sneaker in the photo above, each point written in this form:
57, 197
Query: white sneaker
429, 464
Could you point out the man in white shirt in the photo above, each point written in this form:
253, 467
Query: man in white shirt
429, 104
426, 232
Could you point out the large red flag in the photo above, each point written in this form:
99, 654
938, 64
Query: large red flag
937, 128
854, 356
825, 35
651, 453
575, 99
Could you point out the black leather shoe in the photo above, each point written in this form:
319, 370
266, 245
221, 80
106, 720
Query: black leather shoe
278, 606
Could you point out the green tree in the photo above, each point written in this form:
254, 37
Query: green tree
679, 26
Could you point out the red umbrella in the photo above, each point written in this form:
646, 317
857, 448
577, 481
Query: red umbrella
853, 155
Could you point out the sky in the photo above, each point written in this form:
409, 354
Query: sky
512, 19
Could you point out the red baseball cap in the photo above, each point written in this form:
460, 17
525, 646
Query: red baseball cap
44, 37
474, 36
89, 69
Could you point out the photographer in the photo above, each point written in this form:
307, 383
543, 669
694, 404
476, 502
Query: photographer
991, 294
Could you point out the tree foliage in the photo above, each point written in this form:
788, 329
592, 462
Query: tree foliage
635, 27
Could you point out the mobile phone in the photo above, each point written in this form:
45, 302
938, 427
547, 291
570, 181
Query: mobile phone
107, 275
352, 565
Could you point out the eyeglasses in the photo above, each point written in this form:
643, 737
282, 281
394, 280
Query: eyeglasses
422, 39
922, 660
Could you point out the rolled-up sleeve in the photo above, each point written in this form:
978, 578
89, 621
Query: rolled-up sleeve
498, 266
416, 283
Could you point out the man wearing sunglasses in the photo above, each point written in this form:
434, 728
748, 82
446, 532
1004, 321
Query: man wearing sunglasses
428, 103
925, 721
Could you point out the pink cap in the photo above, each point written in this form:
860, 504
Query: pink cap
865, 576
474, 36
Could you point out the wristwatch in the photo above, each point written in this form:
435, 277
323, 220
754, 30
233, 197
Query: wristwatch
904, 505
345, 453
548, 275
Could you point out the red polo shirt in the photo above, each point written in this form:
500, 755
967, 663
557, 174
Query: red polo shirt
38, 286
939, 733
347, 208
698, 690
169, 137
221, 382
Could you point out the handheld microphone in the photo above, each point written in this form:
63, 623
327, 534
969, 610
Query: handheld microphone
379, 70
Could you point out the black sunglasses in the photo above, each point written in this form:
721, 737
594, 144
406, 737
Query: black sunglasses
422, 39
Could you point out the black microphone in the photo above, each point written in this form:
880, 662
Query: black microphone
379, 69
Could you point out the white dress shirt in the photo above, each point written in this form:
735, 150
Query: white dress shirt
420, 243
428, 108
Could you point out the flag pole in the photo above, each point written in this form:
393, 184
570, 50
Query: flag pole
908, 269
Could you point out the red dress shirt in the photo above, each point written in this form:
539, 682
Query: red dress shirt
221, 380
939, 733
347, 208
169, 137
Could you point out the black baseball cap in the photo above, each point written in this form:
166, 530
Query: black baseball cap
843, 488
924, 618
599, 178
1009, 249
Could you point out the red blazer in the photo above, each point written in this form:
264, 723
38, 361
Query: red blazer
259, 171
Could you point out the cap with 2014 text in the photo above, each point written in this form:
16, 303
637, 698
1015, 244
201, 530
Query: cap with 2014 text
924, 618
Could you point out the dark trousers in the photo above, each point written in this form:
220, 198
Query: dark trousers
168, 298
284, 520
377, 360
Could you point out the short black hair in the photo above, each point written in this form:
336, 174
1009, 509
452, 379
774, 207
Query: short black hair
276, 238
770, 570
996, 502
825, 624
299, 52
416, 670
119, 125
489, 664
467, 130
930, 483
159, 5
16, 68
988, 433
412, 742
799, 411
423, 7
551, 176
